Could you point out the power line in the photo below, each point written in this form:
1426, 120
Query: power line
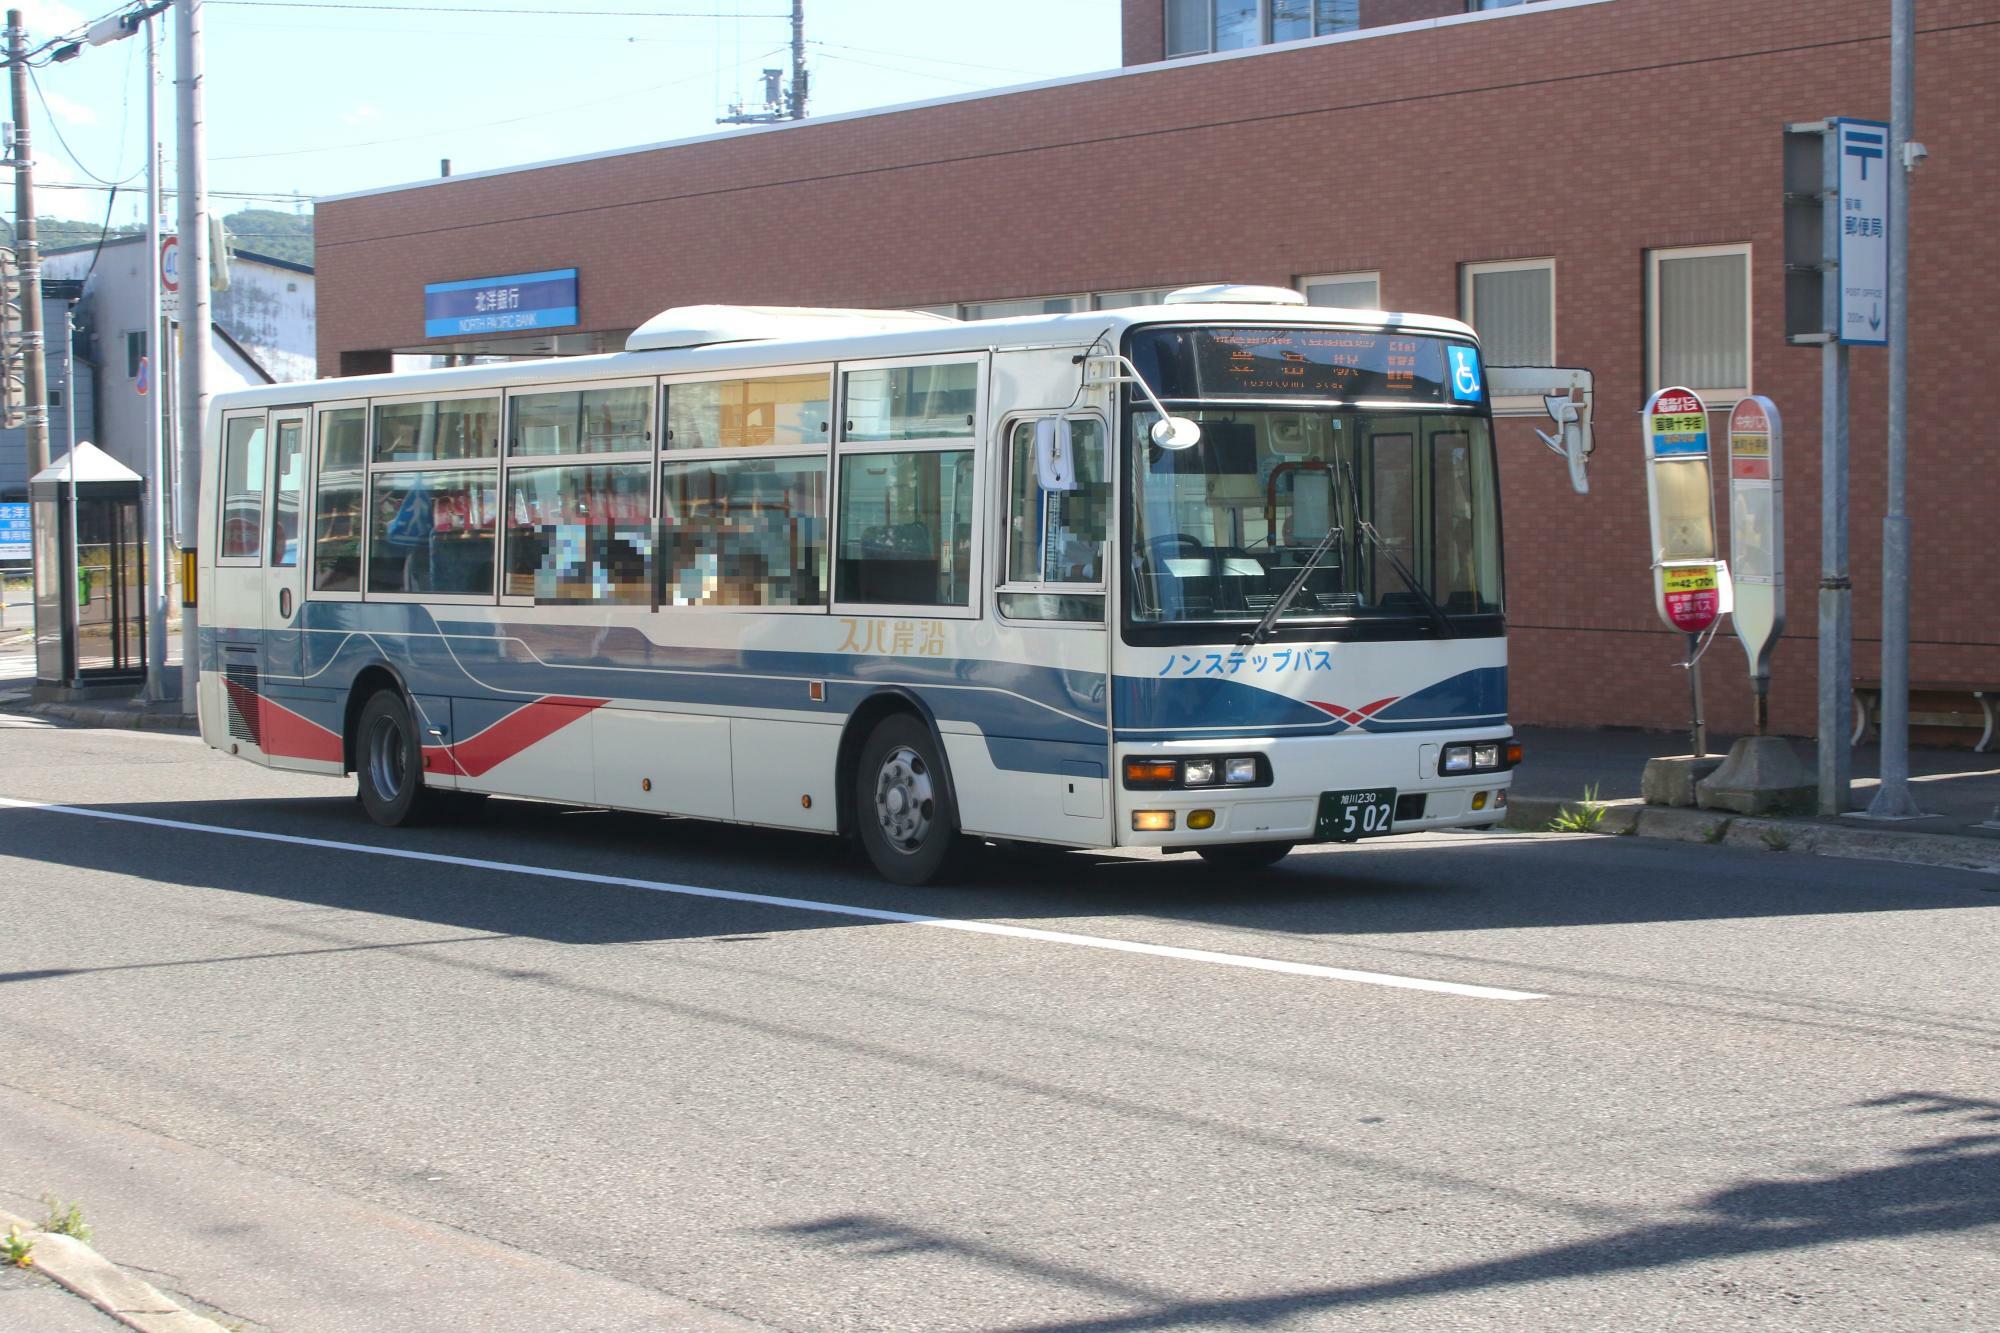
480, 125
492, 9
44, 100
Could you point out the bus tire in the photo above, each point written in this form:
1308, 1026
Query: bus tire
1244, 855
903, 805
389, 763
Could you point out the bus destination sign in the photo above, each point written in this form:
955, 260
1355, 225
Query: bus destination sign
1319, 363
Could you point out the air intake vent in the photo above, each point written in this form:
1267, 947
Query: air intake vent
239, 688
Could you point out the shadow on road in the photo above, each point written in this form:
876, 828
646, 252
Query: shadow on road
1948, 1184
1394, 887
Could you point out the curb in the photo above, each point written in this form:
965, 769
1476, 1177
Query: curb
1751, 833
118, 718
131, 1301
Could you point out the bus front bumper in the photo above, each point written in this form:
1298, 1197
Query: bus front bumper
1301, 772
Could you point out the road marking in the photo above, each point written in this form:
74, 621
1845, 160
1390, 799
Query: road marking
1249, 961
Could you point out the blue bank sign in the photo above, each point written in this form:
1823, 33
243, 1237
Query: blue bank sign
511, 304
15, 536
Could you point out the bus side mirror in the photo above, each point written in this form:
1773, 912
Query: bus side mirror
1565, 394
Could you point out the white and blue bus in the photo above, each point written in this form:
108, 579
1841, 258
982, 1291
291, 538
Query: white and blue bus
1220, 575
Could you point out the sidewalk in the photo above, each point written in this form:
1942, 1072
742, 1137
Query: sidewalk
1958, 790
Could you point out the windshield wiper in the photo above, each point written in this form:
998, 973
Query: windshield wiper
1256, 636
1445, 627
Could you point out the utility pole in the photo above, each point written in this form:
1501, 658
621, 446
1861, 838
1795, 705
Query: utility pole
780, 104
795, 99
195, 321
35, 408
1892, 796
156, 450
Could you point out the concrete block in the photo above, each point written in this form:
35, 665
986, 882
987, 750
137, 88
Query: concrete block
1671, 779
1762, 776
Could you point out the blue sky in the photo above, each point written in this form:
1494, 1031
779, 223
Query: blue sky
323, 98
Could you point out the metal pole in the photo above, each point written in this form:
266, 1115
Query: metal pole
1836, 593
1694, 696
156, 451
195, 320
72, 549
1892, 796
35, 410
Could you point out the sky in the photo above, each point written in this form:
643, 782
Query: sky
317, 98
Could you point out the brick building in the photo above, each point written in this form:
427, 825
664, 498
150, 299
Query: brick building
1592, 182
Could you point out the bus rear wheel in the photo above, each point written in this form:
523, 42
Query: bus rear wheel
1244, 855
389, 763
903, 806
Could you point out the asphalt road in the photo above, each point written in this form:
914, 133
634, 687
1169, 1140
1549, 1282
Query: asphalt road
317, 1086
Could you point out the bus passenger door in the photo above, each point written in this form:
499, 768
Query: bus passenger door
283, 588
301, 720
233, 621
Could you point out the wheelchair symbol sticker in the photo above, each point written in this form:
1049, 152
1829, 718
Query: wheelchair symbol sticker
1465, 383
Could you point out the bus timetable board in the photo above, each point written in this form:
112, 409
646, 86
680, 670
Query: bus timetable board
1325, 364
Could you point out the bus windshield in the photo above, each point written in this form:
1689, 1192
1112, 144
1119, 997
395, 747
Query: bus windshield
1393, 514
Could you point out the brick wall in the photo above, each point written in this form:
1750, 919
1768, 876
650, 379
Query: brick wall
1590, 134
1381, 13
1145, 31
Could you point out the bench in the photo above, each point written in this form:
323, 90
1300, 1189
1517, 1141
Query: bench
1868, 707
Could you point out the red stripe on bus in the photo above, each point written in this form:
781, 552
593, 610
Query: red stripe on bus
477, 755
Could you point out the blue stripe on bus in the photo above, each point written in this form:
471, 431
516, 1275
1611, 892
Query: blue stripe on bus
1033, 718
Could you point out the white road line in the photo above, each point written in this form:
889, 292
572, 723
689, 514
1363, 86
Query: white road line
809, 905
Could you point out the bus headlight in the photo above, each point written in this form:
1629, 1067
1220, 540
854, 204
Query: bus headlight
1477, 757
1241, 770
1198, 772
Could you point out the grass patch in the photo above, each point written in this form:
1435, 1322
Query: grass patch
17, 1250
64, 1219
1584, 818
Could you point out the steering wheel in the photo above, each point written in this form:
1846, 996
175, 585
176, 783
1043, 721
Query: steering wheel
1164, 547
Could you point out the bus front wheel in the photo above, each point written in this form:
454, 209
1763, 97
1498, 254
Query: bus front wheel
903, 806
389, 762
1244, 855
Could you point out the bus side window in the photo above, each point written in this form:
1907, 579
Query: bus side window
1056, 536
242, 495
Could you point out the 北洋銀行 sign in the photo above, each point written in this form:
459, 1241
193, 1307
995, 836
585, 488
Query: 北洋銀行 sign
510, 304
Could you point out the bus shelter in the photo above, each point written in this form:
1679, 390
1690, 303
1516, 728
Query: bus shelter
90, 572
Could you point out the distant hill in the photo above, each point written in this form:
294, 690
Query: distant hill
265, 231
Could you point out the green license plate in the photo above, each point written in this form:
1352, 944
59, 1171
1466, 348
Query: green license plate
1347, 815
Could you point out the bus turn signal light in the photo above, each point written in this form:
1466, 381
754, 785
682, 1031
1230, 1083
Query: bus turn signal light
1513, 754
1200, 819
1164, 771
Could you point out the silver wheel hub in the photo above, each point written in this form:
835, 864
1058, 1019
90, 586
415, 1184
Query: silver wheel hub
387, 758
905, 802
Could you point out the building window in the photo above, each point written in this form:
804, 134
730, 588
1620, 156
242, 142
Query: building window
1513, 305
1698, 320
1195, 27
135, 352
1034, 305
1348, 291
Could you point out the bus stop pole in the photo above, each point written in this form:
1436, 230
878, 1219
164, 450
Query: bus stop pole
1836, 646
1892, 796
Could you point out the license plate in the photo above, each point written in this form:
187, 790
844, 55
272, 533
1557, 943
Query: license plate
1347, 815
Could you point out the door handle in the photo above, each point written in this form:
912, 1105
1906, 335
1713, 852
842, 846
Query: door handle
285, 603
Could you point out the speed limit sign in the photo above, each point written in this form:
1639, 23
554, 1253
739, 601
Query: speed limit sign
170, 263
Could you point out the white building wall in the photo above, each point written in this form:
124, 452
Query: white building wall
268, 309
